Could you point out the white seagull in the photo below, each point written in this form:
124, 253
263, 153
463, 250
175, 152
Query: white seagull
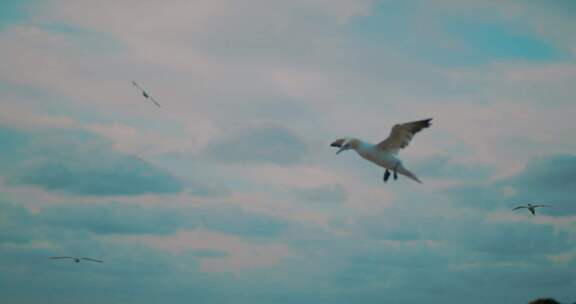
531, 207
145, 94
385, 154
76, 259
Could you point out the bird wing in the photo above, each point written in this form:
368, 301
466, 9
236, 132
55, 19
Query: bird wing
401, 135
542, 206
154, 101
62, 257
520, 207
137, 86
146, 94
93, 260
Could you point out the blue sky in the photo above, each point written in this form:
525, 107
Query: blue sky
231, 193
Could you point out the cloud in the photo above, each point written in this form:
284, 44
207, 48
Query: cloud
261, 144
505, 240
483, 197
232, 219
549, 180
239, 253
550, 174
219, 238
16, 224
129, 219
546, 180
112, 218
218, 24
520, 275
80, 163
119, 177
380, 265
397, 224
64, 221
475, 233
126, 265
331, 194
208, 253
441, 166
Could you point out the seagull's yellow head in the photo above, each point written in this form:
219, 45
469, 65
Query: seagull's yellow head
345, 144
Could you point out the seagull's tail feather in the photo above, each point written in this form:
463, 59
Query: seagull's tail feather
409, 174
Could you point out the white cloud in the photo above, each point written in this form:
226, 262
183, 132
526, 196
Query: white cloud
242, 255
131, 140
24, 117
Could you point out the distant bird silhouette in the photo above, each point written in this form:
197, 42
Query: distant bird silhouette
76, 259
531, 207
145, 94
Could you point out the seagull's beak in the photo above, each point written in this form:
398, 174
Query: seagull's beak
339, 143
341, 149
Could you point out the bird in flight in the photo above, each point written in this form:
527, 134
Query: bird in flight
76, 259
145, 94
385, 154
531, 207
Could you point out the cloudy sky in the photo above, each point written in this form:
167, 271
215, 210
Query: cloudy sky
230, 192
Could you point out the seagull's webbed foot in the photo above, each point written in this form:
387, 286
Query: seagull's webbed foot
395, 171
386, 175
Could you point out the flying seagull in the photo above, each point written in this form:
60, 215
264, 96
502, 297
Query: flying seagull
531, 207
76, 259
385, 154
145, 94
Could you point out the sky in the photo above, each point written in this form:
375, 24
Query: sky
231, 193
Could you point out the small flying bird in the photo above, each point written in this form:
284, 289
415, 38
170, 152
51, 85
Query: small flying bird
145, 94
76, 259
531, 207
385, 154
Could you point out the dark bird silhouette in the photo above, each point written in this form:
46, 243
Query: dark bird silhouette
76, 259
145, 94
531, 207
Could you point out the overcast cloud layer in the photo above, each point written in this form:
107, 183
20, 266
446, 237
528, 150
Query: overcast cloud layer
230, 192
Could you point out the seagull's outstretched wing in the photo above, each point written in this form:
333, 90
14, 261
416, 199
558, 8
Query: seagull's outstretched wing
542, 206
145, 94
154, 101
93, 260
62, 257
137, 86
402, 134
520, 207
